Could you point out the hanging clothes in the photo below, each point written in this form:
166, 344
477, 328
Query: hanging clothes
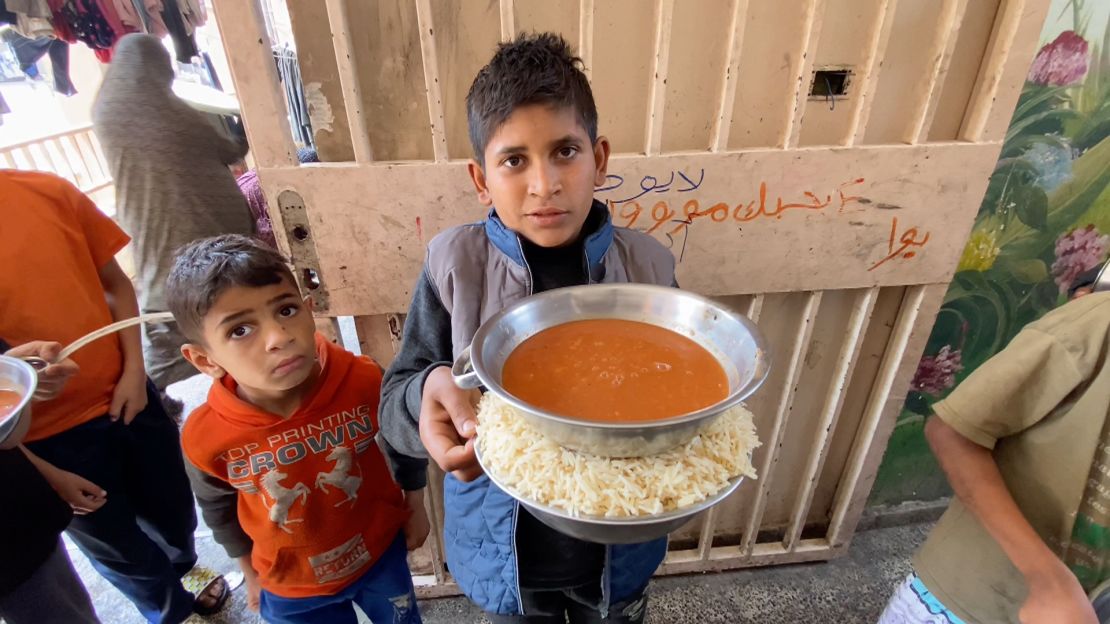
96, 23
29, 51
150, 13
30, 18
193, 14
129, 15
290, 74
184, 41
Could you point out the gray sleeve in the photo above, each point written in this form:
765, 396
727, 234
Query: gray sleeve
411, 473
219, 505
425, 345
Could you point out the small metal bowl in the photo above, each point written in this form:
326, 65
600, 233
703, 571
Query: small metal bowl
605, 530
731, 338
20, 377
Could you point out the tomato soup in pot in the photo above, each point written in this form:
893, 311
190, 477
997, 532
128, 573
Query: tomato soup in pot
614, 370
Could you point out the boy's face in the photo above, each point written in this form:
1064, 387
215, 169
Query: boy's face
540, 173
264, 337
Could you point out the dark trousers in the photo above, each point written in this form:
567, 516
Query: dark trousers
141, 540
576, 605
53, 595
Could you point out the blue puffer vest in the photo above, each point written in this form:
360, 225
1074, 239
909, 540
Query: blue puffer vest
478, 270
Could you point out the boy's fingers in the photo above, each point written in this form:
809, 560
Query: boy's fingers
464, 463
116, 407
462, 414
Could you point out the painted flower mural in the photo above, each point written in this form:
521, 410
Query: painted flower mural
1045, 219
1060, 63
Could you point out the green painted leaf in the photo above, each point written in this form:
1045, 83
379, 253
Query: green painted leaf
1032, 206
1029, 270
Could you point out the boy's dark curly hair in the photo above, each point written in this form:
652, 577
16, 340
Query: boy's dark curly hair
537, 68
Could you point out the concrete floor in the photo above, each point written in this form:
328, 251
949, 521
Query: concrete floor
848, 590
851, 589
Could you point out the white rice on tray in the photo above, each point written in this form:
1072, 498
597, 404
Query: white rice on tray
538, 469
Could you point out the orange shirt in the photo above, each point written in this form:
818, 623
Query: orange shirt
55, 241
315, 494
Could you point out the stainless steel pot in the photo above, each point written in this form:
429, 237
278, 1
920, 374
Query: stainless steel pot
20, 377
733, 339
603, 530
1102, 282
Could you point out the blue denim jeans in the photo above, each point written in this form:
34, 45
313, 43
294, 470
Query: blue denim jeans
384, 593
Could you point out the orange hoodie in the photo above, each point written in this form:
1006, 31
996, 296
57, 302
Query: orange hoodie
314, 492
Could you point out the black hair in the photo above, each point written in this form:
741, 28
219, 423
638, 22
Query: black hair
207, 267
537, 68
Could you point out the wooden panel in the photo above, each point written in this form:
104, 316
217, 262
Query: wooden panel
349, 79
559, 16
975, 30
841, 46
387, 41
747, 209
464, 44
623, 53
772, 36
911, 331
698, 56
250, 58
1026, 43
905, 68
864, 375
818, 367
320, 75
995, 60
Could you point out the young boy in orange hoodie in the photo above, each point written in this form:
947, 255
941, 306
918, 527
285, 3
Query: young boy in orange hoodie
283, 457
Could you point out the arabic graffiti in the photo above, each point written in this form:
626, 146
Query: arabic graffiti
664, 221
908, 239
649, 184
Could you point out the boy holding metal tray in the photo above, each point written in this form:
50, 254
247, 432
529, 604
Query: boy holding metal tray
537, 160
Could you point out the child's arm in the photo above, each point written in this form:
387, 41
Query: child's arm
82, 495
129, 396
411, 473
423, 413
1054, 592
250, 577
219, 505
1008, 394
425, 345
417, 526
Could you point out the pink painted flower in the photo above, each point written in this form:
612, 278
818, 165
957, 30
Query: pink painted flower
937, 373
1062, 62
1080, 250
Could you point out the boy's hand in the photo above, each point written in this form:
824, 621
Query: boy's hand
250, 578
417, 527
129, 397
1056, 596
448, 424
52, 378
83, 495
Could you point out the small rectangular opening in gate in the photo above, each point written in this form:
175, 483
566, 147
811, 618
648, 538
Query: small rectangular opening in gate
830, 83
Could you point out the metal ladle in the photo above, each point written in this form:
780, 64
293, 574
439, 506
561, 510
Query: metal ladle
157, 317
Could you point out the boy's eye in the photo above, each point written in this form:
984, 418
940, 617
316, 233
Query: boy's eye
567, 152
240, 331
512, 162
288, 311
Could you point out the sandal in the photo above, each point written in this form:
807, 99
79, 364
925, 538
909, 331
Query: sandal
199, 582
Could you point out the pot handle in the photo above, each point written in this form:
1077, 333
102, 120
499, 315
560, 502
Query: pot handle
463, 372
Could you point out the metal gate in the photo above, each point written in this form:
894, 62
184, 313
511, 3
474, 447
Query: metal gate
817, 164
